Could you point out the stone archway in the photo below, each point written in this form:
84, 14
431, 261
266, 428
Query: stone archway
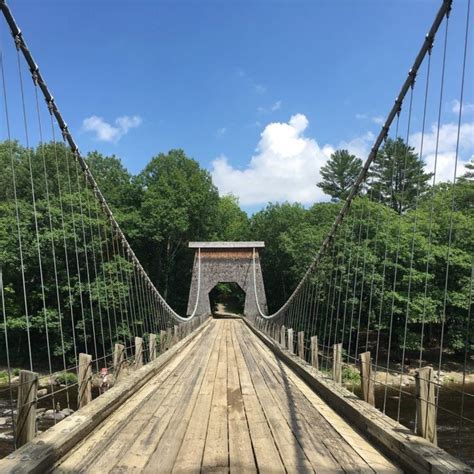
216, 262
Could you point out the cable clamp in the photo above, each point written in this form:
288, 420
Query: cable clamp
18, 40
65, 132
51, 105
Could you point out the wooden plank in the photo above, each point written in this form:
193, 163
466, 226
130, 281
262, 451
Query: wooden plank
84, 395
411, 452
240, 446
366, 378
216, 453
291, 346
309, 435
266, 453
119, 358
138, 353
26, 405
291, 452
159, 436
163, 344
307, 402
191, 452
301, 353
152, 347
40, 454
283, 337
426, 404
337, 363
314, 352
90, 454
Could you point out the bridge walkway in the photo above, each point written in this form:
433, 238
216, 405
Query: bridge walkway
226, 402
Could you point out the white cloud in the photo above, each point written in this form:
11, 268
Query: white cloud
276, 106
466, 107
106, 132
285, 167
358, 146
377, 119
446, 148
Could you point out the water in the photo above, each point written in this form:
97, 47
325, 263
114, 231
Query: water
454, 436
455, 439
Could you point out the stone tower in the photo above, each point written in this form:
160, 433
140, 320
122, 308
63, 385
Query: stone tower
226, 262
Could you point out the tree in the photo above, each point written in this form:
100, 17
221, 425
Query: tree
398, 176
339, 174
230, 222
178, 205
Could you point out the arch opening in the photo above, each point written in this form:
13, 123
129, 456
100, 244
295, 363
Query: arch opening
227, 299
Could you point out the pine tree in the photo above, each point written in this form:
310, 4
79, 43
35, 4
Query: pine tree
339, 174
398, 176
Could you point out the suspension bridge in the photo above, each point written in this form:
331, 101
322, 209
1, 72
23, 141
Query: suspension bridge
346, 376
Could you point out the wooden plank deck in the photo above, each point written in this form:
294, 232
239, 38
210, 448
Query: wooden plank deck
225, 403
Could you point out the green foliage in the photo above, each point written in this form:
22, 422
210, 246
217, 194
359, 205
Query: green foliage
66, 378
398, 176
339, 174
350, 375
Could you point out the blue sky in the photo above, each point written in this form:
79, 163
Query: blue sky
258, 92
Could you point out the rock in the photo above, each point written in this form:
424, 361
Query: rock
42, 392
44, 382
52, 415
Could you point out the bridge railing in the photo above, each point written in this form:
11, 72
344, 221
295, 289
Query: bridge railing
390, 290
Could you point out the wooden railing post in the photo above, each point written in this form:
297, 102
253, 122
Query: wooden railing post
163, 337
301, 345
118, 359
84, 394
152, 347
366, 380
138, 352
291, 346
26, 418
337, 363
283, 337
425, 404
314, 352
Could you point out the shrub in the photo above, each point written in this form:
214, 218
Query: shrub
350, 375
66, 378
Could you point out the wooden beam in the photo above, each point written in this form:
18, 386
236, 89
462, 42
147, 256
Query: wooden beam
26, 418
426, 404
314, 352
366, 378
291, 346
337, 363
138, 352
152, 347
84, 394
119, 358
301, 353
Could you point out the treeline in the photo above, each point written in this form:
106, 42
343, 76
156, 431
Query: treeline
173, 200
